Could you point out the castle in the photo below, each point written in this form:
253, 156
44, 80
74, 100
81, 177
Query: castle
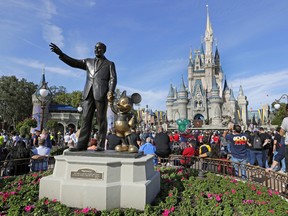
207, 100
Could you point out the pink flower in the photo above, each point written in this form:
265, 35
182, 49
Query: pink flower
170, 194
46, 202
209, 196
166, 212
85, 210
172, 209
19, 187
29, 208
35, 175
12, 192
271, 211
259, 192
182, 178
218, 198
20, 182
276, 192
54, 200
233, 191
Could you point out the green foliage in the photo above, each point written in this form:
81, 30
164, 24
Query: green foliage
51, 124
75, 97
279, 114
24, 130
26, 125
16, 103
182, 193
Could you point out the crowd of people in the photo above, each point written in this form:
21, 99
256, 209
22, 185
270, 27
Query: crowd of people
20, 155
260, 147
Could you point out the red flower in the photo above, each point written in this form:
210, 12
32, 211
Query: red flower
170, 194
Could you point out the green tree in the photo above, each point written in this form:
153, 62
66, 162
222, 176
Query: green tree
15, 103
279, 114
76, 98
51, 124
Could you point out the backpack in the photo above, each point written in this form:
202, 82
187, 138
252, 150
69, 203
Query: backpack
257, 143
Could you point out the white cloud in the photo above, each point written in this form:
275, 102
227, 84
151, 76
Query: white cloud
53, 33
154, 99
262, 88
30, 63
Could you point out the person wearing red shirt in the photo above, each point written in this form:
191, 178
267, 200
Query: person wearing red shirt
176, 136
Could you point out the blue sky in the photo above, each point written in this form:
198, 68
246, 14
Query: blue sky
149, 41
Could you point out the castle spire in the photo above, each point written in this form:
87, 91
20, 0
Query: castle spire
209, 30
241, 93
208, 40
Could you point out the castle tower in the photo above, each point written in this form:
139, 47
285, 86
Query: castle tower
182, 100
215, 104
243, 104
190, 71
233, 110
169, 103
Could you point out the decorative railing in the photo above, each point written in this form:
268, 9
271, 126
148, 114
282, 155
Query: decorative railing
255, 174
273, 180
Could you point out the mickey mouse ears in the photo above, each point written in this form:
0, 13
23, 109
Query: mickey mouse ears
136, 98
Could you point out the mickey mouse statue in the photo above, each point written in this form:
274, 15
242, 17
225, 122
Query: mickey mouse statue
125, 120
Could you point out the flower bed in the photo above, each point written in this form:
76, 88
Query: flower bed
182, 193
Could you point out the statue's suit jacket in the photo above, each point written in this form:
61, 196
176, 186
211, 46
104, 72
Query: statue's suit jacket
101, 77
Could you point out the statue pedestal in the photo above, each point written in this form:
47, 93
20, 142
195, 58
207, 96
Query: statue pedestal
91, 179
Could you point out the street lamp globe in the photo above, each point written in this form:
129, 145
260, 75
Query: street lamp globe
79, 108
44, 92
276, 106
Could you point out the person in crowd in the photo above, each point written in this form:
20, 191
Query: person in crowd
92, 145
149, 148
171, 137
15, 138
66, 139
238, 147
40, 156
276, 146
266, 141
112, 140
187, 153
254, 154
162, 143
1, 139
17, 160
35, 138
135, 138
176, 136
46, 136
71, 144
283, 145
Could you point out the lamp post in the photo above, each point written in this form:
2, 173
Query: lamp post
277, 102
44, 96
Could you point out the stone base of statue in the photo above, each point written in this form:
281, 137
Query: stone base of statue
102, 180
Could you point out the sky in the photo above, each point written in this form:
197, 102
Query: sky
149, 41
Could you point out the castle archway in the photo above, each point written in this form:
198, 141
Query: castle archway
198, 117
